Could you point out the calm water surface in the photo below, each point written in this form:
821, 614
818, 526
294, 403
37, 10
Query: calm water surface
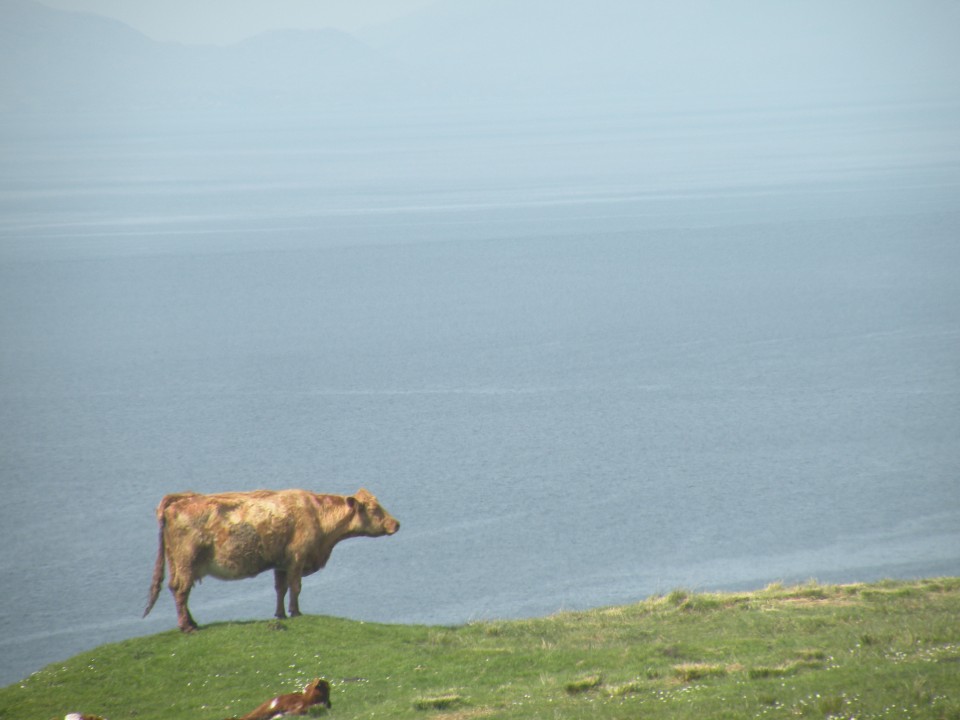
581, 364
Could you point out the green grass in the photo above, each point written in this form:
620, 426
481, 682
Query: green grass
886, 650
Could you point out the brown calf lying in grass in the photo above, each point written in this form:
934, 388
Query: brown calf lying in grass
316, 693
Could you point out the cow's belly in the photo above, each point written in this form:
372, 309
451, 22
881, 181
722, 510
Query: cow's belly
227, 570
239, 553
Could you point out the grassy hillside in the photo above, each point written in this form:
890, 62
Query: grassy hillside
887, 650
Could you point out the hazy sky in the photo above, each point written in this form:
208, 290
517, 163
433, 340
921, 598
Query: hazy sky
226, 21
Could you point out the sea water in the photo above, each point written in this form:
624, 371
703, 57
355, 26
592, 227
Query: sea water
582, 364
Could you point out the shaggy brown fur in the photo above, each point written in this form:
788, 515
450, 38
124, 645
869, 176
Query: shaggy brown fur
316, 693
242, 534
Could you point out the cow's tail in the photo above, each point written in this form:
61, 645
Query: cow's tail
158, 568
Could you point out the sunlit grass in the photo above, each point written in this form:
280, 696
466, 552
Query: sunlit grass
885, 650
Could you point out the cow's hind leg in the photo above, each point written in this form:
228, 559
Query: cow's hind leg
294, 594
280, 583
185, 620
180, 586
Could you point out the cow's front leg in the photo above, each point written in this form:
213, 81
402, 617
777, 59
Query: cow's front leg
294, 594
280, 583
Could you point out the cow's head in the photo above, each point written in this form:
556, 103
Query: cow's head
369, 516
318, 693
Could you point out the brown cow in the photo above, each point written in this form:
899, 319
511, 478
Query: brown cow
316, 693
241, 534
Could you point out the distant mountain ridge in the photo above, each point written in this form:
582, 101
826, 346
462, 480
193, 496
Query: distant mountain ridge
52, 59
495, 51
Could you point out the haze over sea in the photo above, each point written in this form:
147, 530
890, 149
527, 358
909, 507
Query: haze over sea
583, 355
